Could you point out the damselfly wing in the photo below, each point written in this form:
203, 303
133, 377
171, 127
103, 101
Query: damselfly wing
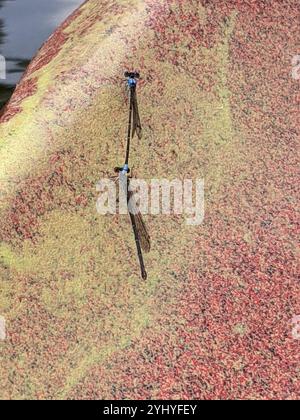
142, 238
135, 212
136, 121
141, 227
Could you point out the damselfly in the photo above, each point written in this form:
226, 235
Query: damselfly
141, 236
134, 123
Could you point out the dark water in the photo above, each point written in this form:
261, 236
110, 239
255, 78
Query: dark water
24, 26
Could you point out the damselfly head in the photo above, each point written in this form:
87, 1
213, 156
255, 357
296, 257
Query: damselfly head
132, 75
124, 169
132, 79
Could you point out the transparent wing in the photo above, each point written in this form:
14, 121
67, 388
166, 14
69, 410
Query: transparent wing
142, 232
136, 122
140, 225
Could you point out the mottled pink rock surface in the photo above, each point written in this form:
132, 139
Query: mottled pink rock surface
217, 101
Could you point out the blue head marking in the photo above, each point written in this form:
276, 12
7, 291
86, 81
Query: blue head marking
132, 82
125, 169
